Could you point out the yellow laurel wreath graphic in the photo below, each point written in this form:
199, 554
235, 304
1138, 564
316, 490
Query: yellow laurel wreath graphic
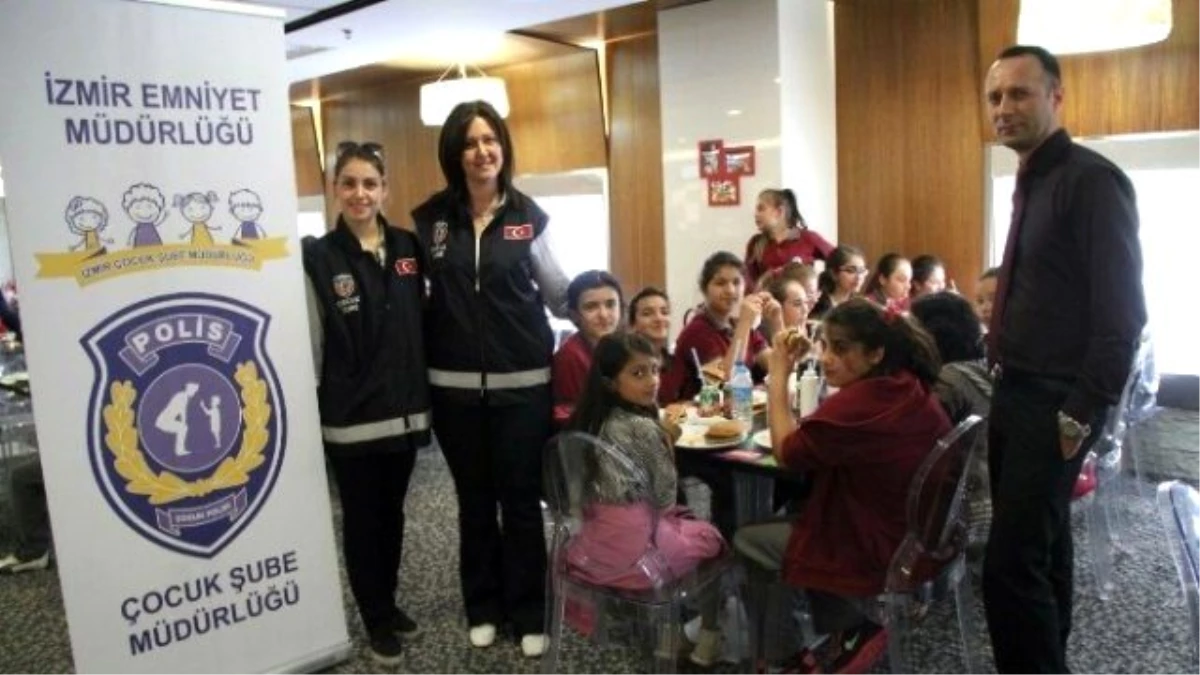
121, 438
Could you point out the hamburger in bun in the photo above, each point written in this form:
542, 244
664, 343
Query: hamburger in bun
725, 430
796, 342
713, 372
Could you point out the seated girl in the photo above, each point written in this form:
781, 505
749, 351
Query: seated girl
928, 276
618, 406
964, 388
728, 320
841, 280
794, 287
650, 317
890, 282
860, 449
594, 305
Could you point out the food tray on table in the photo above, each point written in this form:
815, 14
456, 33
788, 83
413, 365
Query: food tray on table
696, 436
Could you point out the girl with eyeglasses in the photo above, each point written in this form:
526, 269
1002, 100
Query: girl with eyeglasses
782, 236
365, 292
841, 280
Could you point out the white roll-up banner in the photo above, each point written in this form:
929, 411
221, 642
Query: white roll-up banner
151, 204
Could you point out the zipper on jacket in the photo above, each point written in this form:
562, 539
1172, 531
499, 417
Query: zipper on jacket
479, 313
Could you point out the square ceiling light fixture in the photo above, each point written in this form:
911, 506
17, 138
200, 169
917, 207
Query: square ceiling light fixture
1082, 26
439, 98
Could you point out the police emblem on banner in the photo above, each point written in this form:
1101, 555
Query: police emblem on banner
186, 427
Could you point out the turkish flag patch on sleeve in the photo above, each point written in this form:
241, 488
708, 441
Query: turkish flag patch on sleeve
518, 232
406, 266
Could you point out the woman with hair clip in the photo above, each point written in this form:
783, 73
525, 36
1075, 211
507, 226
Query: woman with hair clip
860, 450
841, 280
618, 406
492, 274
782, 236
365, 294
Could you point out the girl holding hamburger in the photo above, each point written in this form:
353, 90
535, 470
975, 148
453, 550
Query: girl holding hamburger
860, 449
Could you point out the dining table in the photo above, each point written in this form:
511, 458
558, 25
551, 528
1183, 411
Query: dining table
747, 459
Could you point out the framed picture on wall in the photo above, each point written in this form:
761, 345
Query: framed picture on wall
724, 190
739, 161
711, 158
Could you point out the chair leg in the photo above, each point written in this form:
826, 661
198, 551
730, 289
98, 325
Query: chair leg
665, 620
554, 627
1099, 545
896, 615
964, 602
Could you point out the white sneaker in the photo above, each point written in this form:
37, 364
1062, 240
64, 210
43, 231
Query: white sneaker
534, 645
482, 635
39, 563
8, 561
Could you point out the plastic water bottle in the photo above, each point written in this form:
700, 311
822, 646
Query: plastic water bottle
809, 386
741, 394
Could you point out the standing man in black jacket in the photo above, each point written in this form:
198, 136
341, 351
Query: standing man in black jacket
1068, 313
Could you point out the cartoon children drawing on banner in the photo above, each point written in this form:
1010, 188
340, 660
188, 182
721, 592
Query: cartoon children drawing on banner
147, 207
246, 206
197, 209
87, 217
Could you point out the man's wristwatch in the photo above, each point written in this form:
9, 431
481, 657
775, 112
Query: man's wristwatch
1069, 427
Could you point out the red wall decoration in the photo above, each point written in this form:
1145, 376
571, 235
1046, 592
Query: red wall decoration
723, 168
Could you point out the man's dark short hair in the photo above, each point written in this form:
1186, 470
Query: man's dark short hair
1049, 61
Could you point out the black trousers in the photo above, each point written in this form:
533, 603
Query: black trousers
372, 486
30, 510
495, 457
1029, 562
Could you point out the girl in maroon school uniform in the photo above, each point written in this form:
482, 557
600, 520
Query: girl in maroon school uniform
782, 236
860, 448
650, 317
594, 303
727, 320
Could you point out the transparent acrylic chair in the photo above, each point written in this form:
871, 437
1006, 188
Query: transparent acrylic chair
1179, 508
932, 554
1101, 478
650, 618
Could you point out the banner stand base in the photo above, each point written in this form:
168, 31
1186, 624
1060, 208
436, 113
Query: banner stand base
317, 661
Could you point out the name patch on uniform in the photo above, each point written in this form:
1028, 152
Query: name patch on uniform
518, 232
441, 232
347, 293
406, 266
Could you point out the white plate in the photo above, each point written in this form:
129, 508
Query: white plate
693, 438
762, 439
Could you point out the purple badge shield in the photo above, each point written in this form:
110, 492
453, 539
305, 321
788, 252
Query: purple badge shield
186, 427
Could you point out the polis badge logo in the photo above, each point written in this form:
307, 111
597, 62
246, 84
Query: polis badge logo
186, 424
343, 285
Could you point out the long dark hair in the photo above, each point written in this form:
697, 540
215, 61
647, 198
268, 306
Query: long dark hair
952, 322
782, 198
599, 398
453, 141
883, 269
827, 281
906, 346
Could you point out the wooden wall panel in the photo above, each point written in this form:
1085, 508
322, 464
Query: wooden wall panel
555, 121
635, 164
304, 149
910, 163
1145, 89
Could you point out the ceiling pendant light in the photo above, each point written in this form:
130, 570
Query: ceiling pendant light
439, 98
1082, 26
